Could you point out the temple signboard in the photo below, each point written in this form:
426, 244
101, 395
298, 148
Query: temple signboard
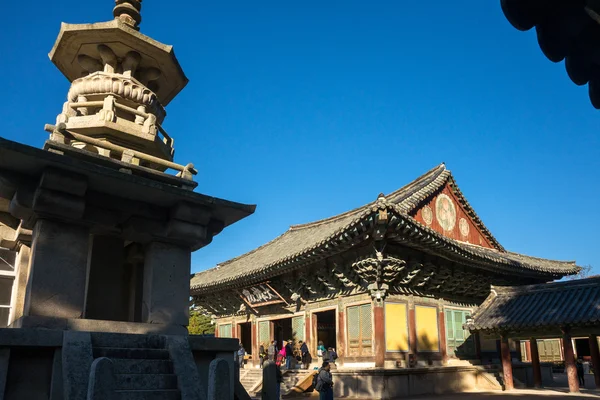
261, 295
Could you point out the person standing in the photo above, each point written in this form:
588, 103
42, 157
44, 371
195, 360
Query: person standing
325, 382
305, 354
241, 353
289, 354
321, 351
279, 382
261, 355
281, 357
272, 351
580, 374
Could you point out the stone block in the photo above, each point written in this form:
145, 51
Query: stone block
166, 284
77, 361
58, 274
102, 380
63, 181
19, 290
185, 368
219, 381
269, 386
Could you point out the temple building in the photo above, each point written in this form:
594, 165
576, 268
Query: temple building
389, 284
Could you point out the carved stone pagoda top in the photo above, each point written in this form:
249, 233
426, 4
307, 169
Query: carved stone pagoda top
121, 80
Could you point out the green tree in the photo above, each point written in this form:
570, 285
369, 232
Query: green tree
200, 324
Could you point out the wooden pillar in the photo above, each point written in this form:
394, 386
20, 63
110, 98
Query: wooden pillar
315, 335
595, 353
477, 338
255, 345
412, 333
535, 362
378, 319
506, 363
341, 336
528, 350
442, 327
570, 361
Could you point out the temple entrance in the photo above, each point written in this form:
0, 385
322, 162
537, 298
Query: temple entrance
245, 335
282, 329
326, 329
582, 349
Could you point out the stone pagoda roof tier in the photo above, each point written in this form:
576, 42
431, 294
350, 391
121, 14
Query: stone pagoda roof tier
540, 310
307, 244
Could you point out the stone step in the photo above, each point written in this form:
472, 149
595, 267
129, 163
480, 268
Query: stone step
118, 352
124, 340
132, 366
147, 395
145, 381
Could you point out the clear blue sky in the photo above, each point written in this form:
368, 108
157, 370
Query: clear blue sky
310, 108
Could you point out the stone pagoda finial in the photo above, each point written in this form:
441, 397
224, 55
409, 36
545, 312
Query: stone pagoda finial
129, 12
121, 81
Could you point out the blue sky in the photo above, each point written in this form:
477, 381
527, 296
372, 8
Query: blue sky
311, 108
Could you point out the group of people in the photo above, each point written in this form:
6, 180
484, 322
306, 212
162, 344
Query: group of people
288, 355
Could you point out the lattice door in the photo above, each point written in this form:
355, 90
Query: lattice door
360, 330
264, 334
298, 328
225, 331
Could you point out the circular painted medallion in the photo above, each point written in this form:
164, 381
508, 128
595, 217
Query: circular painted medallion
427, 215
463, 226
445, 212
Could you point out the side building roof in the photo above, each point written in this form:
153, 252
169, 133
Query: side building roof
544, 308
314, 241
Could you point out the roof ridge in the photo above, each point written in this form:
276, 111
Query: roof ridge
540, 287
439, 169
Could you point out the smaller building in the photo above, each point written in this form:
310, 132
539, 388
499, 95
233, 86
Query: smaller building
568, 310
387, 284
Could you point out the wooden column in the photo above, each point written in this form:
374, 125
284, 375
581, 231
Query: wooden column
315, 336
570, 361
535, 362
255, 345
412, 333
341, 334
528, 350
506, 363
442, 328
595, 353
379, 327
477, 339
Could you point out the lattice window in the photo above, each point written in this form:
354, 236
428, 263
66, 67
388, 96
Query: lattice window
360, 330
225, 331
264, 334
298, 328
459, 341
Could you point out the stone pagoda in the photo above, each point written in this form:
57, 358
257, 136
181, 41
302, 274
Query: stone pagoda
99, 227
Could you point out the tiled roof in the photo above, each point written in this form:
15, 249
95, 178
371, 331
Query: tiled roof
566, 30
317, 240
572, 303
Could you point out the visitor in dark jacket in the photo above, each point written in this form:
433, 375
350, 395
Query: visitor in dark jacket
262, 354
305, 354
325, 382
330, 356
289, 354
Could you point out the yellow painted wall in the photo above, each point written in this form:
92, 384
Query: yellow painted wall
427, 328
396, 327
